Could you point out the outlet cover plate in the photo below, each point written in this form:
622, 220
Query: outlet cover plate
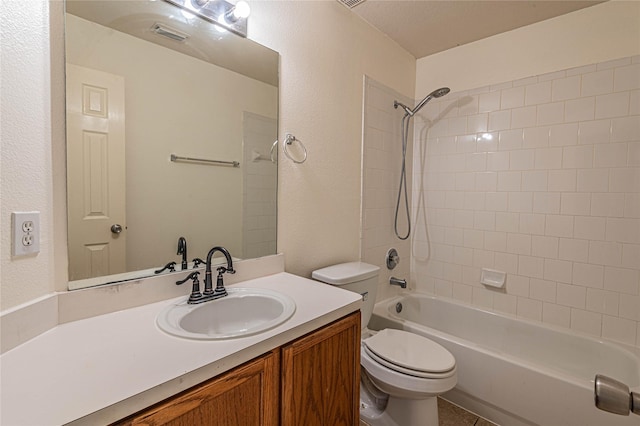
26, 233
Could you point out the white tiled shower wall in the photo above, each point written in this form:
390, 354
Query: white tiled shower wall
539, 178
381, 165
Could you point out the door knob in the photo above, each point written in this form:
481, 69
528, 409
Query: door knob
116, 229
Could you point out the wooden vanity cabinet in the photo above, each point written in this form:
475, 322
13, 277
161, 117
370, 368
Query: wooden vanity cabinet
246, 395
314, 380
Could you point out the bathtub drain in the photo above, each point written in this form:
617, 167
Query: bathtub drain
398, 307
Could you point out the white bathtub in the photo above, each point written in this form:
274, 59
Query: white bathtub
512, 371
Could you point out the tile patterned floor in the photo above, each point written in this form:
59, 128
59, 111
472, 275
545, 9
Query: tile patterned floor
452, 415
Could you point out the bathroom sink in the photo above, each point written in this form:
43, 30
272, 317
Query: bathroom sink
245, 311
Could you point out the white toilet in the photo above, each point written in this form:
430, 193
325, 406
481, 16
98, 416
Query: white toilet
402, 373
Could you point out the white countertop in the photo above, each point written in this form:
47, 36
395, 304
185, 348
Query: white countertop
101, 369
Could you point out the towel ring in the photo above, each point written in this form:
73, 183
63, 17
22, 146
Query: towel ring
288, 140
274, 151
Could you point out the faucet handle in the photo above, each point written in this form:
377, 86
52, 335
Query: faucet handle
223, 269
171, 266
197, 261
195, 295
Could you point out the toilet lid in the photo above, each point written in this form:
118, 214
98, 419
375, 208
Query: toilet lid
410, 351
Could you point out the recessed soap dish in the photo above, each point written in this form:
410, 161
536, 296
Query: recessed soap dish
493, 278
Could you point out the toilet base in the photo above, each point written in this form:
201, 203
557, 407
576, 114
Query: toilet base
397, 411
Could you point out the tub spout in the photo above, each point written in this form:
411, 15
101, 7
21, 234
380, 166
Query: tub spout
398, 281
614, 396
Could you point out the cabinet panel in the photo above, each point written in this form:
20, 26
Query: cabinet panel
321, 376
247, 395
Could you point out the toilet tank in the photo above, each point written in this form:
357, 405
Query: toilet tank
358, 277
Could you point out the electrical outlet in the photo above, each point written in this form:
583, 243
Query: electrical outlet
26, 233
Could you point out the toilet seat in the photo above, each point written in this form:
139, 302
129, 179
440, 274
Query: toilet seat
409, 353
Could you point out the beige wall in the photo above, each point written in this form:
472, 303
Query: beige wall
325, 51
596, 34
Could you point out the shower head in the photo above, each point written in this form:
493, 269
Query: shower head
435, 94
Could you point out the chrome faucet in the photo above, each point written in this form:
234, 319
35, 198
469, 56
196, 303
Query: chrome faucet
182, 249
398, 281
209, 292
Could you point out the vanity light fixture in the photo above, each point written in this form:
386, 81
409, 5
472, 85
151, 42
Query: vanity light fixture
229, 16
166, 31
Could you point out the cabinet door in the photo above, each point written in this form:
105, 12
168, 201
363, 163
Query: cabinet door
247, 395
321, 376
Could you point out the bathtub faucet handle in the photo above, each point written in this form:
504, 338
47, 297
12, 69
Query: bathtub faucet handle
398, 281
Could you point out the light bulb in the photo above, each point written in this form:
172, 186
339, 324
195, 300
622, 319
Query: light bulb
241, 10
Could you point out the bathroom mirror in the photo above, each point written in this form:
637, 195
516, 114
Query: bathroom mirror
147, 83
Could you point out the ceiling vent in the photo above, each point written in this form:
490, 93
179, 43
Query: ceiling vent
351, 3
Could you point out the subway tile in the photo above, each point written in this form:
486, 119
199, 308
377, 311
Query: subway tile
633, 155
626, 78
501, 86
571, 295
521, 159
529, 266
562, 180
468, 105
563, 134
476, 162
577, 157
495, 241
581, 70
542, 290
497, 161
603, 301
485, 221
463, 256
532, 223
463, 219
607, 253
565, 88
457, 125
466, 143
536, 137
554, 75
559, 226
489, 102
474, 200
499, 120
512, 98
590, 228
586, 322
473, 238
629, 307
520, 202
624, 179
622, 280
524, 117
465, 181
511, 139
482, 297
572, 203
631, 205
573, 250
625, 230
509, 181
546, 247
619, 329
477, 123
558, 270
612, 105
496, 201
487, 142
483, 258
548, 158
599, 131
607, 204
552, 113
486, 181
507, 262
556, 315
597, 83
519, 243
546, 202
610, 155
518, 285
582, 109
529, 309
462, 292
534, 180
634, 102
538, 93
626, 129
507, 222
593, 180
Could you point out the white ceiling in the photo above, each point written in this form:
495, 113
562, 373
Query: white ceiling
425, 27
